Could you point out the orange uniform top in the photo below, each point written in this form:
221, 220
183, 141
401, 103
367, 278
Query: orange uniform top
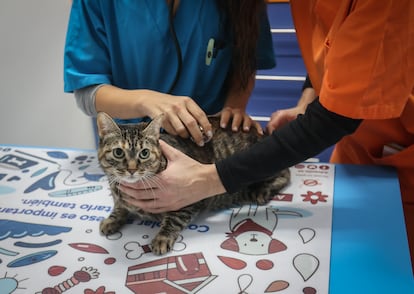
360, 59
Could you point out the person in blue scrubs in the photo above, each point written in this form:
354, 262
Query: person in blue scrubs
184, 58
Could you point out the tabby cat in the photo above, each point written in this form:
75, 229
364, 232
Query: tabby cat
131, 153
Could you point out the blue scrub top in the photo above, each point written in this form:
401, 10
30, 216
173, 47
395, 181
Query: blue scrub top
128, 44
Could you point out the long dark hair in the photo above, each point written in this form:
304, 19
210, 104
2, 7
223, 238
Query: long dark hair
243, 21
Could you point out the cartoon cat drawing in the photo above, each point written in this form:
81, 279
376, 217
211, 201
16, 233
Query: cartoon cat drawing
251, 230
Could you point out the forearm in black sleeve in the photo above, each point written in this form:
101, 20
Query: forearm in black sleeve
295, 142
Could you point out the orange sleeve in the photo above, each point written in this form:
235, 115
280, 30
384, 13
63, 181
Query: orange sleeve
369, 52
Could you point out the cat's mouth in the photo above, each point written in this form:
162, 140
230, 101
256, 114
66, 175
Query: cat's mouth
131, 179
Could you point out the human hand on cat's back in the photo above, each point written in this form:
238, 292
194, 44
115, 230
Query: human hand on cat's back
239, 120
182, 116
184, 182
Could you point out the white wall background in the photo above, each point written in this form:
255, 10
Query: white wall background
34, 110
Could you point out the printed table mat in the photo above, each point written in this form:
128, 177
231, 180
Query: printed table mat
52, 200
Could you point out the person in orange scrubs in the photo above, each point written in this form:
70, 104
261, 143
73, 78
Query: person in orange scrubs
360, 60
359, 55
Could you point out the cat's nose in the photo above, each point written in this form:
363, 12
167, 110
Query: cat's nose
131, 170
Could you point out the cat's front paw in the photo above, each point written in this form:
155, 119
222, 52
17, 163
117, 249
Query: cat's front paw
261, 200
109, 226
162, 244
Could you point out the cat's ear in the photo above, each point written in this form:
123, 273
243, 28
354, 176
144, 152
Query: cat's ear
106, 124
153, 128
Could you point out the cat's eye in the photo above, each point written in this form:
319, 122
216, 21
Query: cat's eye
118, 153
144, 154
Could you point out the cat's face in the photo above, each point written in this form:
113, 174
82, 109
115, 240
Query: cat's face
128, 153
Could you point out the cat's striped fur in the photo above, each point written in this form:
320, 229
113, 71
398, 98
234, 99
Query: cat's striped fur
132, 153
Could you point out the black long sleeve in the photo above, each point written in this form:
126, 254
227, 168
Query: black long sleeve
295, 142
307, 83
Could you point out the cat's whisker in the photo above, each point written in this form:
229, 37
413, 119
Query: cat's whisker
154, 179
113, 179
148, 182
144, 182
152, 192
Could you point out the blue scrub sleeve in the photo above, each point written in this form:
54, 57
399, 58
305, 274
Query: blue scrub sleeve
86, 60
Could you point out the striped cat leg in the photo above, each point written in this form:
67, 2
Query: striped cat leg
173, 223
114, 221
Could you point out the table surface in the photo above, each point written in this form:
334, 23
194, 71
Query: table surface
369, 250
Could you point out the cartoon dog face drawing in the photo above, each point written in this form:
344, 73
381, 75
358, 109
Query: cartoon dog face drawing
251, 230
252, 239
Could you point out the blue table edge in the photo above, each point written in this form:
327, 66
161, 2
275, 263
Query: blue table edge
365, 230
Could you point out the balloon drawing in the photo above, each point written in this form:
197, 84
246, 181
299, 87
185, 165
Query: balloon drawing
307, 234
306, 265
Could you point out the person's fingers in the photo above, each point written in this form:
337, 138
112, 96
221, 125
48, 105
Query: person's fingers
192, 127
177, 125
187, 119
150, 205
225, 117
237, 120
246, 122
169, 128
258, 127
277, 119
153, 204
201, 118
169, 152
138, 190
